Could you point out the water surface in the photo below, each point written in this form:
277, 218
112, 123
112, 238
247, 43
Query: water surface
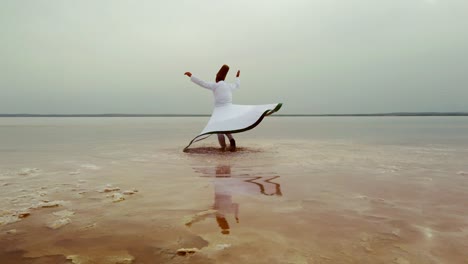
299, 190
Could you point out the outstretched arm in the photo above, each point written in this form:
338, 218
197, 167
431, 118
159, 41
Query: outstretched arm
236, 83
200, 82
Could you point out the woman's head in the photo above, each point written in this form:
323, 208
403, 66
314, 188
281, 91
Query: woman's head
221, 76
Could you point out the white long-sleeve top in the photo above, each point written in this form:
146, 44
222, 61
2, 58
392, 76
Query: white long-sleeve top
222, 90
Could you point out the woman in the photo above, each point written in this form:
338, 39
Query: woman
229, 118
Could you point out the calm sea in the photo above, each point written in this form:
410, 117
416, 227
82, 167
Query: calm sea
23, 134
299, 190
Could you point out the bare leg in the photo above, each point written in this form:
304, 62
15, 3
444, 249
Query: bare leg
232, 142
222, 141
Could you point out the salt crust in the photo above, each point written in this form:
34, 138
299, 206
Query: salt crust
59, 223
117, 259
189, 220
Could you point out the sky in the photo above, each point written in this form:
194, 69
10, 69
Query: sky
314, 56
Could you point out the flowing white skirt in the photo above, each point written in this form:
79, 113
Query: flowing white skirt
232, 118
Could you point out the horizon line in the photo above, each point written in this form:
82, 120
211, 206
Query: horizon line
202, 115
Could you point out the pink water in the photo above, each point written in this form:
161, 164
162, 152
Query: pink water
299, 190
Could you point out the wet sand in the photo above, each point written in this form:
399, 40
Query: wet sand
275, 200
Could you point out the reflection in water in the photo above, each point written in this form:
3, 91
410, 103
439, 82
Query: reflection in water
223, 200
226, 184
262, 187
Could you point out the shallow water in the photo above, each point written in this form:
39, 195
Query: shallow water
299, 190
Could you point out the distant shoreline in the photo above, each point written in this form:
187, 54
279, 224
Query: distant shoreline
277, 115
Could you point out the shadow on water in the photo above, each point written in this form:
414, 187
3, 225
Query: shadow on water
227, 184
218, 151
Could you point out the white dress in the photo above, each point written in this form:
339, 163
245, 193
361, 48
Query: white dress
228, 117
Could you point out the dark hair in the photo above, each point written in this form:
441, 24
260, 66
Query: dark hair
221, 76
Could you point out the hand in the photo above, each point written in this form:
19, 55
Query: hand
189, 74
238, 74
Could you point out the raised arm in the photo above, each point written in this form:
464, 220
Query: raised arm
236, 83
200, 82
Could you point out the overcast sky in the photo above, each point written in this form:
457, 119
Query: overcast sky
315, 56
